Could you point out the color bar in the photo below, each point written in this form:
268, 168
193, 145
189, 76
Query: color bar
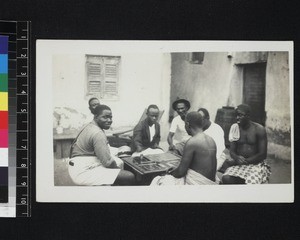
3, 119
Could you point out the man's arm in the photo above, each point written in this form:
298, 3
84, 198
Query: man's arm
262, 143
157, 137
137, 137
238, 159
102, 152
170, 140
186, 160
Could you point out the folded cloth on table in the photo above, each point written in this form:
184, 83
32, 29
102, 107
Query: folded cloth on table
148, 151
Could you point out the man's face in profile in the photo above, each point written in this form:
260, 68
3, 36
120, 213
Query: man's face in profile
187, 128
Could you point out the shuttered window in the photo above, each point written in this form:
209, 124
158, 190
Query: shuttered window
102, 76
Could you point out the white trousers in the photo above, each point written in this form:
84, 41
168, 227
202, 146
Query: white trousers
89, 171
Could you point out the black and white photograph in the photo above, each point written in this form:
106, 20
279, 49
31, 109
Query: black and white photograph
164, 121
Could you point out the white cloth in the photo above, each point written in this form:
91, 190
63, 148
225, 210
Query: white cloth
234, 133
148, 151
152, 132
178, 128
192, 178
217, 134
114, 153
88, 170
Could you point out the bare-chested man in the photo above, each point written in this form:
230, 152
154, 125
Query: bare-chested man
248, 150
198, 163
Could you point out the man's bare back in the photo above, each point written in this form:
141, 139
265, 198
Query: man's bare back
204, 158
199, 155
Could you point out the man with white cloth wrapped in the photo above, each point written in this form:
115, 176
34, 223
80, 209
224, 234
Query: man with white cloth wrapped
198, 163
91, 162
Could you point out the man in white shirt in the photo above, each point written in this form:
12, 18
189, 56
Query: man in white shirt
216, 133
178, 135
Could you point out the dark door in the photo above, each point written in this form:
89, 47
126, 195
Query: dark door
254, 90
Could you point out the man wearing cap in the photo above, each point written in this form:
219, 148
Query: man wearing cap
178, 135
248, 150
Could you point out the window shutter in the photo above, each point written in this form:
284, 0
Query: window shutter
94, 79
102, 76
111, 77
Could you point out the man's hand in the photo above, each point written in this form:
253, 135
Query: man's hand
113, 165
139, 149
170, 170
172, 147
241, 160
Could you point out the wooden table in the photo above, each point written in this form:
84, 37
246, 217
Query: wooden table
62, 142
150, 166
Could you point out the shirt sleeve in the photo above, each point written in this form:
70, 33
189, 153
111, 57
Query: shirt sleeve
173, 125
137, 136
101, 149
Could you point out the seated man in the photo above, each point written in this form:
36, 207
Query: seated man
146, 133
248, 150
198, 163
90, 160
93, 103
216, 132
177, 135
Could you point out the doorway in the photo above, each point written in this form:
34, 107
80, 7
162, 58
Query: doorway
254, 89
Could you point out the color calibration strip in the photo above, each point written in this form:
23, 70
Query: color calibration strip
4, 119
17, 94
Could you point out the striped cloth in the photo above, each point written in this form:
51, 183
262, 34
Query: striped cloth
252, 173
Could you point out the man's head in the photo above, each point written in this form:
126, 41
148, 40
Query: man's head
243, 114
93, 103
152, 114
103, 116
181, 106
206, 118
193, 122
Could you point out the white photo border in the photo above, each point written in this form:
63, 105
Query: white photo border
47, 192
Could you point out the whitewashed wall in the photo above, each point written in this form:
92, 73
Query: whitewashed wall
144, 79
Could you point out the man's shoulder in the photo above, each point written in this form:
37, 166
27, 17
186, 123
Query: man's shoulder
176, 119
140, 125
198, 139
258, 126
